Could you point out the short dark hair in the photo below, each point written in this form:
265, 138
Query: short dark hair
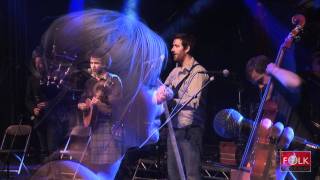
37, 52
187, 40
100, 54
258, 63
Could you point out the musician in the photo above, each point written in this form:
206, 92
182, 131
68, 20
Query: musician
259, 69
103, 91
309, 107
49, 131
286, 93
134, 53
189, 123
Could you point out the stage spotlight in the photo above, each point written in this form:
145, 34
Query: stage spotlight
186, 18
272, 27
76, 5
130, 8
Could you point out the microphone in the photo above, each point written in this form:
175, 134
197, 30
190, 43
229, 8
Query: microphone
224, 73
229, 123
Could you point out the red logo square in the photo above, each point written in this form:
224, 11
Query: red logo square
298, 161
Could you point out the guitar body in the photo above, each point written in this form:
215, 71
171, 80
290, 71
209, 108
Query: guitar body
101, 89
239, 175
262, 165
261, 159
263, 151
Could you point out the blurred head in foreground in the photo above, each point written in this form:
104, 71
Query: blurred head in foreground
132, 51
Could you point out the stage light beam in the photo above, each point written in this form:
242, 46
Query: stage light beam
131, 8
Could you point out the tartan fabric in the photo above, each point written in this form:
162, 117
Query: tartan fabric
103, 148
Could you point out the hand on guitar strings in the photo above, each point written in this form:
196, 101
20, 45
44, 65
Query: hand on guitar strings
40, 106
163, 94
83, 106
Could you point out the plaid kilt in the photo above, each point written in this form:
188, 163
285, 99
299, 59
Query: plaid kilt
103, 148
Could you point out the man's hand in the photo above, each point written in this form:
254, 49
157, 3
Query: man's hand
95, 101
36, 111
163, 94
42, 105
278, 133
83, 106
272, 68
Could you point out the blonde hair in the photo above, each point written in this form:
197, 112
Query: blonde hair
137, 53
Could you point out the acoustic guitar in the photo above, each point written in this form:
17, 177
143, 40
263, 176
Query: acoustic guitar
101, 90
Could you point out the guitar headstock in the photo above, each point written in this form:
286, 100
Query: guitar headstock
57, 75
58, 71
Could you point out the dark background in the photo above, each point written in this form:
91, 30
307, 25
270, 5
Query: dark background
228, 33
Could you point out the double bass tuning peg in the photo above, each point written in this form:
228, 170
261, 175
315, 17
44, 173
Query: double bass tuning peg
297, 38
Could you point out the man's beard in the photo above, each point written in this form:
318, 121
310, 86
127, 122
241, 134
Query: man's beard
177, 58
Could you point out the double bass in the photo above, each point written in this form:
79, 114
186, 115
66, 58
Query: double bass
259, 152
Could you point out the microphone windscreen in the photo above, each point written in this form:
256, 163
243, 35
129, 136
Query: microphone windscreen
225, 73
227, 123
162, 57
89, 70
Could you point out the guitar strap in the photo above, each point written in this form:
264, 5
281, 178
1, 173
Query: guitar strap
176, 89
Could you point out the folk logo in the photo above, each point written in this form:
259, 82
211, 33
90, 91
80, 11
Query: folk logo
298, 161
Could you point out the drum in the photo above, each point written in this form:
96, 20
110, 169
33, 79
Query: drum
64, 170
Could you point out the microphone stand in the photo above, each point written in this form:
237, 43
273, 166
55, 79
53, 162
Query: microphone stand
239, 105
186, 103
171, 132
177, 111
173, 141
